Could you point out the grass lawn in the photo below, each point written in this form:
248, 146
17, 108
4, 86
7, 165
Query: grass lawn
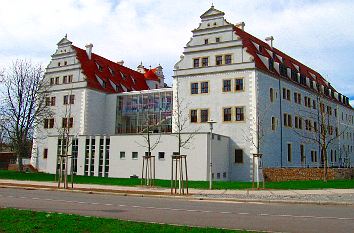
12, 220
318, 184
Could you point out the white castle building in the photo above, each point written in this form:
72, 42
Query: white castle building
263, 101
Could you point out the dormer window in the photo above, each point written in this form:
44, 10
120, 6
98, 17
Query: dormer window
101, 82
206, 41
123, 76
111, 71
99, 67
115, 87
133, 79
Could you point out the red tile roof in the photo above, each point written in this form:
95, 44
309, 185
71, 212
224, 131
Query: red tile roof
150, 74
250, 43
108, 76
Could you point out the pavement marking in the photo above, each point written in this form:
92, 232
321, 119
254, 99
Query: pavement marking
187, 210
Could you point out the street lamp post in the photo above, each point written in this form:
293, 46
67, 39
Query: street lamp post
211, 123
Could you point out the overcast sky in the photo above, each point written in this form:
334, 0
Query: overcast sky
318, 33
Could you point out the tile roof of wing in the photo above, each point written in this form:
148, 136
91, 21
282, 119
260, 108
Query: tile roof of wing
150, 74
109, 71
248, 41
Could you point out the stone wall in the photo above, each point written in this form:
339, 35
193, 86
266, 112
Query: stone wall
286, 174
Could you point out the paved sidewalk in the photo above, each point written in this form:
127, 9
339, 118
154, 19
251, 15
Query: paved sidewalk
318, 196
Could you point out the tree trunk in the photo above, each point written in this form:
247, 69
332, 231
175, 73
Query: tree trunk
325, 169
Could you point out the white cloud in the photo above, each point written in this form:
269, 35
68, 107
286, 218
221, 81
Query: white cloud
318, 33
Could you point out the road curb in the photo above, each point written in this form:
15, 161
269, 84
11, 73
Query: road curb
168, 195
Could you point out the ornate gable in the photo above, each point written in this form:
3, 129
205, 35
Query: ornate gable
211, 13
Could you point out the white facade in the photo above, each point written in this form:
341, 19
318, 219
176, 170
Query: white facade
217, 78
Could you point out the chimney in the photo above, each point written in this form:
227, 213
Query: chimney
121, 62
89, 50
241, 25
269, 40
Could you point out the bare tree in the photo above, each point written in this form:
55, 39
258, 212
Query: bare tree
150, 125
65, 137
256, 136
2, 133
181, 120
23, 104
320, 129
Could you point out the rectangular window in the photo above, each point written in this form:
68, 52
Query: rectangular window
204, 87
67, 122
122, 155
228, 59
52, 101
302, 154
206, 41
194, 117
45, 153
313, 156
287, 120
66, 99
218, 60
224, 175
271, 94
284, 93
161, 155
288, 95
226, 87
46, 122
134, 155
64, 123
227, 114
204, 115
196, 62
47, 101
51, 81
65, 79
239, 84
238, 156
273, 123
57, 80
217, 39
71, 122
205, 61
72, 99
194, 88
70, 78
239, 114
51, 123
289, 153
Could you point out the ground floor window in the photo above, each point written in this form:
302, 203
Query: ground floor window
238, 156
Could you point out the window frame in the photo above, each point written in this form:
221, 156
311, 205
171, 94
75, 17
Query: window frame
241, 85
241, 114
194, 87
202, 117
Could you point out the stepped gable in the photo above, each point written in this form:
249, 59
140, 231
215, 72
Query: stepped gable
258, 48
107, 76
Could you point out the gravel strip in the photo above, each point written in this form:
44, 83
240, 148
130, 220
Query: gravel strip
340, 198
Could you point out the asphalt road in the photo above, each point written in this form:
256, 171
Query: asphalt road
232, 215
